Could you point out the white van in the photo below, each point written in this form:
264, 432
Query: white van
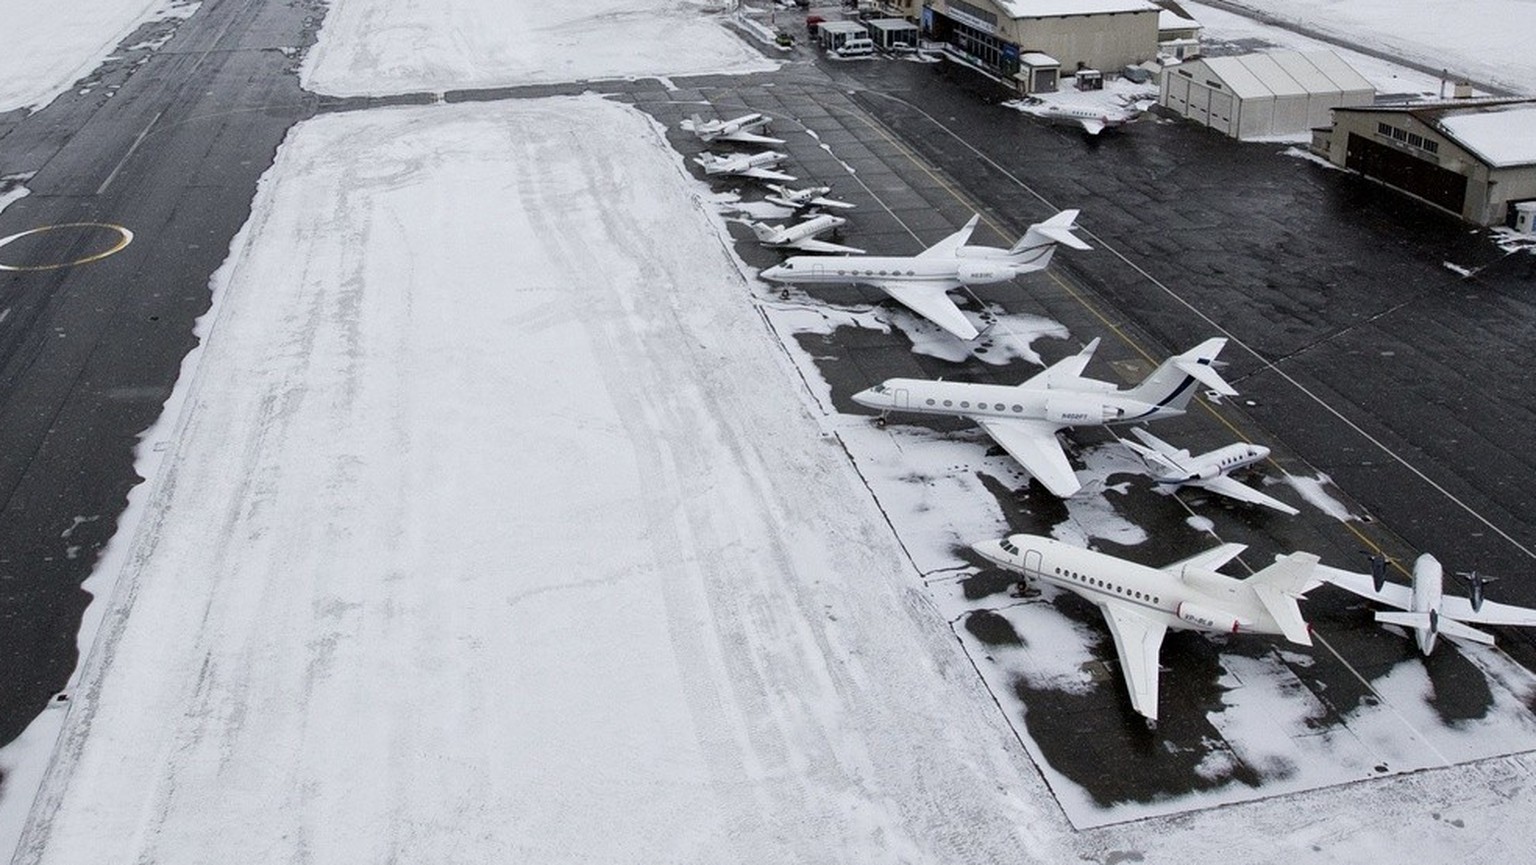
855, 47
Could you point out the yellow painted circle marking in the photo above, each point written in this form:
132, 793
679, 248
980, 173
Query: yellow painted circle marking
124, 237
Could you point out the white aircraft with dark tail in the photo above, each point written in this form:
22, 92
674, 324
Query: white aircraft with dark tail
754, 165
1172, 467
1024, 418
802, 235
1424, 607
922, 281
1092, 120
742, 130
1141, 603
799, 199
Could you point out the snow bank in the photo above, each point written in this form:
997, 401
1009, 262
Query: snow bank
49, 46
377, 47
494, 529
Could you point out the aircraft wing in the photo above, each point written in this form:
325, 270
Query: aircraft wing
1235, 489
1209, 560
1137, 642
744, 137
811, 244
1392, 594
1065, 371
1033, 443
767, 174
929, 300
1092, 125
819, 201
947, 247
1491, 613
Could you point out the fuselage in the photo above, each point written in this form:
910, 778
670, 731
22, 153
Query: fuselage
727, 164
1223, 460
1195, 599
972, 265
811, 227
1428, 590
1079, 405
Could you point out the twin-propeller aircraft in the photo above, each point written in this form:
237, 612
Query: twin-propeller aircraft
922, 281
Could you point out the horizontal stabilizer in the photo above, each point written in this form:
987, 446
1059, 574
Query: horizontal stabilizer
1282, 607
1441, 625
1059, 229
1197, 363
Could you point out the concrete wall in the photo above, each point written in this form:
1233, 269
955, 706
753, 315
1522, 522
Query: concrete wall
1104, 42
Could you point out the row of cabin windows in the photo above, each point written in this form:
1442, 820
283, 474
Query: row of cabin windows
949, 403
1094, 581
1412, 139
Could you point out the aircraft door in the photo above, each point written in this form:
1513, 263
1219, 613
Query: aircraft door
900, 398
818, 270
1032, 564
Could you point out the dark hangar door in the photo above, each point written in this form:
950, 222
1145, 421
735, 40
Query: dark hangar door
1428, 181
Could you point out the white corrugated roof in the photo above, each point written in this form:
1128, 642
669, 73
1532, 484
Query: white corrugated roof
1342, 74
1237, 78
1502, 136
1058, 8
1304, 71
1279, 82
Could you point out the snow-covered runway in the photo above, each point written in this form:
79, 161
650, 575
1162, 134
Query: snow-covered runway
494, 529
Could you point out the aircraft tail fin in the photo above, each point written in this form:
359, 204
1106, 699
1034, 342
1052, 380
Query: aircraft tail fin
1172, 384
1278, 586
1039, 243
765, 232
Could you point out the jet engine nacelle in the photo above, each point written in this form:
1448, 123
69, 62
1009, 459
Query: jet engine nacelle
1211, 619
1079, 409
981, 272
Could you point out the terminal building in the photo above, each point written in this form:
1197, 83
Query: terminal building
1263, 95
1474, 159
1039, 38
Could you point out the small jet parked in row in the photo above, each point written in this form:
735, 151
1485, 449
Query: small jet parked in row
802, 235
742, 130
799, 199
1024, 418
922, 281
1426, 609
755, 165
1172, 467
1141, 603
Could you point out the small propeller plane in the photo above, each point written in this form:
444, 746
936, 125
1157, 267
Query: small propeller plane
742, 130
1141, 603
802, 235
1425, 608
1024, 418
754, 165
922, 281
1172, 467
799, 199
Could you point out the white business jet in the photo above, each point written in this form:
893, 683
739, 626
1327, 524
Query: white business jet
1091, 120
1426, 609
1141, 603
799, 199
802, 235
742, 130
1024, 418
922, 281
755, 165
1172, 467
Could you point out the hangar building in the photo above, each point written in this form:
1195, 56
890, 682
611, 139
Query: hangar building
1474, 159
1260, 95
993, 35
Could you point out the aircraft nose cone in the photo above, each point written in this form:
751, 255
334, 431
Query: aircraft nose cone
991, 550
775, 272
1261, 452
867, 397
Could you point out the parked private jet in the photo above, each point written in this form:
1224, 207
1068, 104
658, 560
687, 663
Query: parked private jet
1427, 611
742, 130
802, 235
922, 281
798, 199
1172, 467
1141, 603
1024, 418
1091, 120
755, 165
